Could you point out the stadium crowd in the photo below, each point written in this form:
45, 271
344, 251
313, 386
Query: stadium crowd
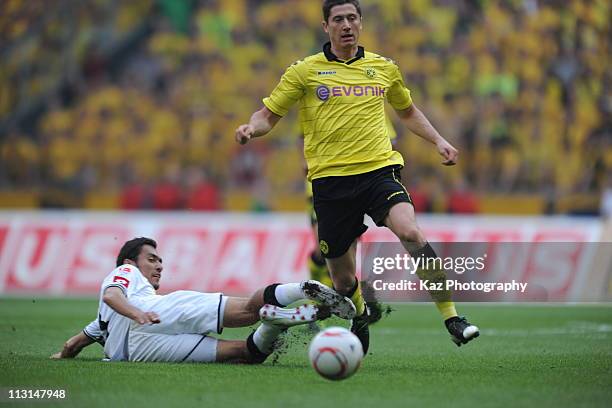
522, 87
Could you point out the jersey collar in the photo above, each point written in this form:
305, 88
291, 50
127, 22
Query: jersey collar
332, 57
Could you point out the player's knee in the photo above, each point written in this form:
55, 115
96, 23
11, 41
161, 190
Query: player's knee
409, 233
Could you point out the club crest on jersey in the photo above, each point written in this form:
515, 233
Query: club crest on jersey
370, 72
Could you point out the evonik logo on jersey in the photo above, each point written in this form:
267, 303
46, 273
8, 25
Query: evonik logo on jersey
324, 93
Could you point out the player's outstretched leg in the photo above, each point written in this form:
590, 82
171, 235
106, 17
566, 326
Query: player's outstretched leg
339, 305
342, 269
285, 294
361, 321
260, 343
401, 220
461, 330
276, 320
287, 317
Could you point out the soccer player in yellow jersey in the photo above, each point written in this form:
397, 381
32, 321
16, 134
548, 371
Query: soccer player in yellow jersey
316, 262
351, 163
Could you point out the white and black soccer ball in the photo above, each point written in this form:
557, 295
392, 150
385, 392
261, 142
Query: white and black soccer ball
335, 353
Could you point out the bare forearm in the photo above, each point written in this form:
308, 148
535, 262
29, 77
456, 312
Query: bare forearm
119, 303
74, 346
261, 124
418, 124
416, 121
115, 298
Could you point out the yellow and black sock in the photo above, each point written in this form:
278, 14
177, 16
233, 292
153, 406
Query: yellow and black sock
357, 298
445, 305
447, 309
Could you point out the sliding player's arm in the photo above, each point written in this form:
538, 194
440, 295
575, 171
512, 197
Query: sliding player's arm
73, 346
92, 333
260, 124
115, 298
416, 121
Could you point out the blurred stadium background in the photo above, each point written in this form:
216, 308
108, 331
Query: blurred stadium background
113, 105
117, 120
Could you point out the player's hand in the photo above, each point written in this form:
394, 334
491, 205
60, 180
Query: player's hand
56, 356
146, 318
448, 152
244, 133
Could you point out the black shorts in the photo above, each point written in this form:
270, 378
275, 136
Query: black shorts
340, 203
311, 212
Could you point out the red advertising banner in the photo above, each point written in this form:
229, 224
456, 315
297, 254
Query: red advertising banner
69, 253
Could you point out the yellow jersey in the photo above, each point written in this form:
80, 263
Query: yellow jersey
342, 110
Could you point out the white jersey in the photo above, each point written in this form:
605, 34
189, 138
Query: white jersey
186, 319
112, 328
92, 330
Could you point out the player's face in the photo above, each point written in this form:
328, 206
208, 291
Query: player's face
343, 26
150, 265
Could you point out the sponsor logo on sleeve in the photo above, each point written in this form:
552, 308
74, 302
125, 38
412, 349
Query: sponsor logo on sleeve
121, 280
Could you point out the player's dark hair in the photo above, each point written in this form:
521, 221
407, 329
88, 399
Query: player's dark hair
131, 249
328, 4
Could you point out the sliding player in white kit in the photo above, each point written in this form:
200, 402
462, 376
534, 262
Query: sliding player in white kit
136, 324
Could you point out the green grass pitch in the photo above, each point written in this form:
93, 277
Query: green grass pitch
526, 356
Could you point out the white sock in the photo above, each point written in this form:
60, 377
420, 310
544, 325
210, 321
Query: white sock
288, 293
265, 336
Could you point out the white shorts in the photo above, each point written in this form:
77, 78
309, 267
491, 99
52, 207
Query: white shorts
183, 312
186, 317
173, 348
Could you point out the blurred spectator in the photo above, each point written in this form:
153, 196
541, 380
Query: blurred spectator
420, 195
461, 200
203, 194
19, 161
134, 196
167, 194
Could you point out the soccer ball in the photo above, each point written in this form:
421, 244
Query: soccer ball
335, 353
